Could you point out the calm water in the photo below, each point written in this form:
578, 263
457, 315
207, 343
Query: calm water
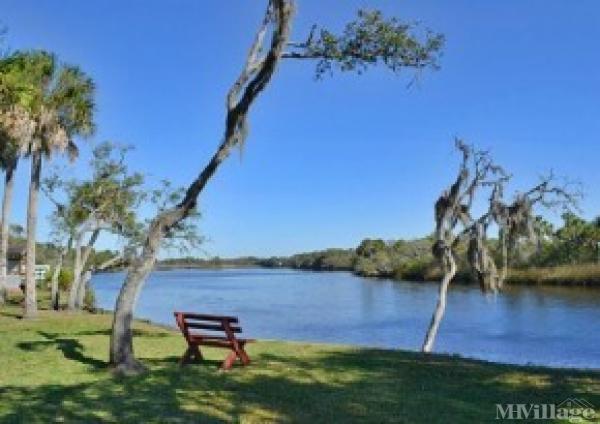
548, 326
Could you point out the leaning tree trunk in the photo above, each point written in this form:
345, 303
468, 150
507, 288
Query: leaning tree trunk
79, 277
9, 183
30, 309
76, 272
86, 277
122, 356
54, 291
504, 252
252, 80
109, 263
450, 271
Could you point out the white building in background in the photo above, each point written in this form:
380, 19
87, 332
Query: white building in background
41, 271
17, 259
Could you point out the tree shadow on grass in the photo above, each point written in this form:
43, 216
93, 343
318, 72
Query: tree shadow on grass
169, 361
360, 385
136, 333
72, 349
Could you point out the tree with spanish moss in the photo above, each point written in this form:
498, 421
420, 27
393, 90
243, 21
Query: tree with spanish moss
515, 220
369, 41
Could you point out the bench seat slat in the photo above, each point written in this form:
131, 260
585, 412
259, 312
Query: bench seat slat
206, 317
214, 327
202, 339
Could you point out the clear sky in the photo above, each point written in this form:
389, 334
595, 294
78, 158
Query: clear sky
329, 163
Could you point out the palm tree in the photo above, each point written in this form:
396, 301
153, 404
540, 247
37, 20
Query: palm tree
8, 163
59, 101
15, 128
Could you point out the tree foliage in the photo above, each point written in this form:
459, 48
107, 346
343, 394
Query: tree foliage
55, 101
107, 200
370, 40
575, 242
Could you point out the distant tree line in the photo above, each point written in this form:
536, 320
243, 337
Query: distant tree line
214, 262
575, 242
372, 258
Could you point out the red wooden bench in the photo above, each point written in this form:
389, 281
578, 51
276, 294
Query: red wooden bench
219, 332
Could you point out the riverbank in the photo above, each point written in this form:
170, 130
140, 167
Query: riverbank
418, 269
54, 369
580, 275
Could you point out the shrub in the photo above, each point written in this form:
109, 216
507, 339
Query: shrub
65, 279
413, 270
89, 301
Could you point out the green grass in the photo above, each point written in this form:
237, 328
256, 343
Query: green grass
53, 369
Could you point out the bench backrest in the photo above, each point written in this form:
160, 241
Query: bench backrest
190, 324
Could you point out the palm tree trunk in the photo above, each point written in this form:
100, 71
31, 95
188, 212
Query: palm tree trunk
30, 310
55, 292
9, 183
438, 314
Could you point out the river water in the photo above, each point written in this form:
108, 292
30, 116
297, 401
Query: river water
557, 326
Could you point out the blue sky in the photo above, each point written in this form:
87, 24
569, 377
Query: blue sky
329, 163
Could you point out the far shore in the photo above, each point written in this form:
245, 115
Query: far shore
581, 275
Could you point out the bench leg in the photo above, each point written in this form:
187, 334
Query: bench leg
192, 352
243, 355
228, 362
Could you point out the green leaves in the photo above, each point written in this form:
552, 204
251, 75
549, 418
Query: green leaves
109, 198
73, 98
370, 40
185, 235
57, 98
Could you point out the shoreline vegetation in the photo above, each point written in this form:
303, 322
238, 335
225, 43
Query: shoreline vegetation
587, 275
54, 372
580, 275
568, 255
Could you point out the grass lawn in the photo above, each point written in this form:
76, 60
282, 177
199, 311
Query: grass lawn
53, 369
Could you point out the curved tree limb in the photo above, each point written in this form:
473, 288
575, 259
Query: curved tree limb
254, 77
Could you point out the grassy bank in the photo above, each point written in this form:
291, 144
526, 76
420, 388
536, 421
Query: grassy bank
567, 275
53, 369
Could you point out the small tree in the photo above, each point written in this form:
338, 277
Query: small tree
515, 220
106, 202
368, 41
